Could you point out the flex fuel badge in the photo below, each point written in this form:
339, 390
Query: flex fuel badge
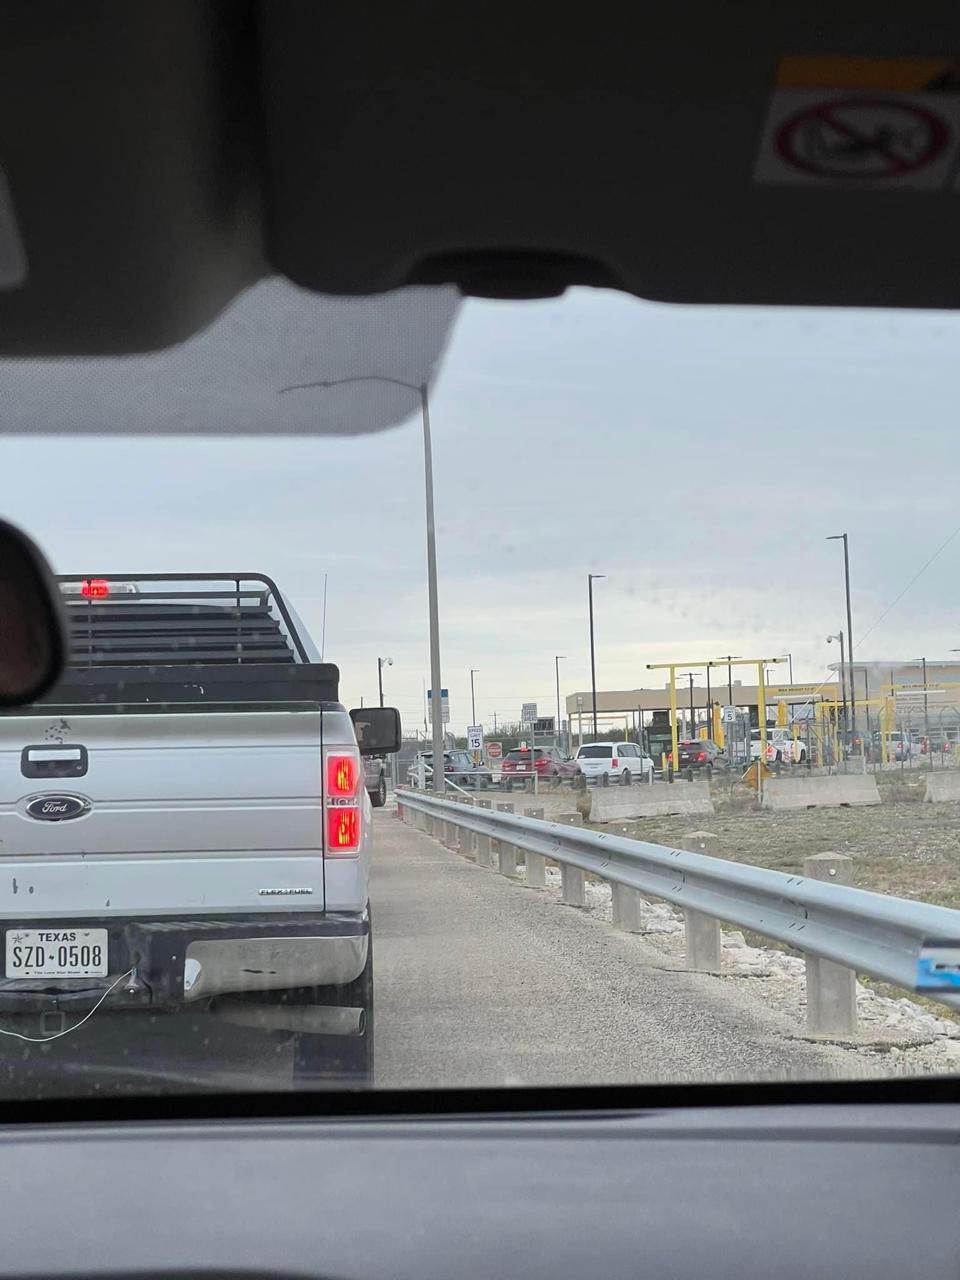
863, 123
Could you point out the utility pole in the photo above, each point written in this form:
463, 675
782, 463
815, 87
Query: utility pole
593, 661
473, 702
556, 664
709, 705
926, 709
729, 659
837, 537
381, 663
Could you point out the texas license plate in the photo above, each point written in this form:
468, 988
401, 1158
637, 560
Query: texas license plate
56, 953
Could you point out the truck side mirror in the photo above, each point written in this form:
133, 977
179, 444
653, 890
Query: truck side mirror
32, 634
377, 730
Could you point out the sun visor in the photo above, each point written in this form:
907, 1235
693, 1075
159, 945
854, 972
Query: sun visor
254, 371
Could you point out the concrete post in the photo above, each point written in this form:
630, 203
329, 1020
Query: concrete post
536, 862
430, 824
484, 850
703, 932
627, 908
572, 890
831, 988
451, 836
572, 887
468, 838
504, 854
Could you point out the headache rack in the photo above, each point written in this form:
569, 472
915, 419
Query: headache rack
183, 619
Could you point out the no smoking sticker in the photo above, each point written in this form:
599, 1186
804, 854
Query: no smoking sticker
844, 137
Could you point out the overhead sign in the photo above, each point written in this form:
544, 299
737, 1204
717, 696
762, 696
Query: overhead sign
863, 124
475, 737
529, 713
911, 700
444, 704
789, 691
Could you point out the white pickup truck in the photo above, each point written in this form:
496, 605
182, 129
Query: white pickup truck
782, 747
184, 822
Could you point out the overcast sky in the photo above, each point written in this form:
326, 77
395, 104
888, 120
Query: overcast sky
696, 456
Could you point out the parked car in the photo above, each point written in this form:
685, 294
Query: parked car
900, 746
621, 762
458, 768
700, 755
189, 803
549, 762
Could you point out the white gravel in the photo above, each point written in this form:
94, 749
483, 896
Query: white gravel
912, 1039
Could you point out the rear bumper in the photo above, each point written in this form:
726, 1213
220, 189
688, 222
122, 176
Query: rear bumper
178, 961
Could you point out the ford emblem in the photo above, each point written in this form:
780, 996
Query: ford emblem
57, 808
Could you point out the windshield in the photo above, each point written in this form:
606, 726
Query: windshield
206, 887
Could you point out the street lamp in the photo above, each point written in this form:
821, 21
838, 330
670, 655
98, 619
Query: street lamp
709, 704
436, 702
790, 660
926, 710
843, 685
688, 675
381, 663
591, 578
729, 658
557, 657
842, 537
473, 702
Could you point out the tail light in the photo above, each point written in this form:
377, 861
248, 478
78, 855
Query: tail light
343, 831
344, 778
614, 763
701, 755
343, 774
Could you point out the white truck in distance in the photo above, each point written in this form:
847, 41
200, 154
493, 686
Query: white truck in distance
184, 821
782, 747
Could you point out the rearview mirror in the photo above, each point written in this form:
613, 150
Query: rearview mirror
32, 642
377, 730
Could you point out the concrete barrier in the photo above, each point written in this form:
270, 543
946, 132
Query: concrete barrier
607, 804
829, 792
943, 785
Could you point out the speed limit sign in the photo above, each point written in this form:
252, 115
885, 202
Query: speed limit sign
475, 737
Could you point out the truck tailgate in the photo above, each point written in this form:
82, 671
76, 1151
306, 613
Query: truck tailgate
163, 792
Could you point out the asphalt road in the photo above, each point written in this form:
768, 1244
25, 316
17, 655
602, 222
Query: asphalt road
478, 981
481, 981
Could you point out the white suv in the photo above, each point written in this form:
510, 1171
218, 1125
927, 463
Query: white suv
621, 762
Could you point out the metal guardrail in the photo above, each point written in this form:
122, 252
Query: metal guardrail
913, 945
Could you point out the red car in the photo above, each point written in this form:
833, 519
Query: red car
548, 762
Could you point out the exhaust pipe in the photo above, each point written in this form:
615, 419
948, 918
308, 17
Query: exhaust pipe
314, 1019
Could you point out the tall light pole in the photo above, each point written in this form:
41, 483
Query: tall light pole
843, 685
556, 664
473, 702
729, 659
436, 702
381, 663
926, 709
842, 537
591, 577
709, 705
688, 675
790, 660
